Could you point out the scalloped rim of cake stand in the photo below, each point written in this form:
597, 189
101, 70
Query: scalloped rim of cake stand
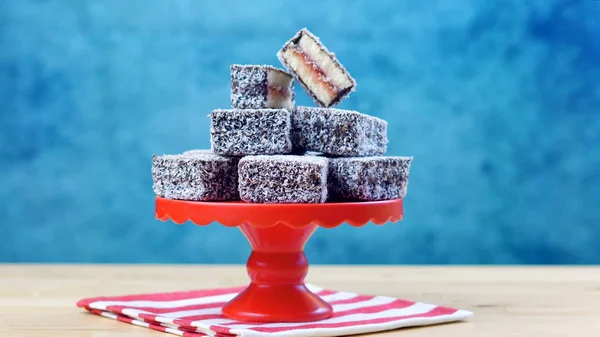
235, 213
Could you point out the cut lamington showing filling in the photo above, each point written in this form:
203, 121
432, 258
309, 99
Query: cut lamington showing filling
317, 69
261, 86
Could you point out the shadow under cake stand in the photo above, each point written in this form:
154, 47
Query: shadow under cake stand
277, 234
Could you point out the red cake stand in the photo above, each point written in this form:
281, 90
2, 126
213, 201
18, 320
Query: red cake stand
277, 234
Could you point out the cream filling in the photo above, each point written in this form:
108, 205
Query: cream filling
311, 77
279, 94
325, 62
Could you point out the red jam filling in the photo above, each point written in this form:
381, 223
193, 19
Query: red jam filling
316, 73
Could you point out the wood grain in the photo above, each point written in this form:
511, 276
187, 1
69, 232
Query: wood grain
39, 300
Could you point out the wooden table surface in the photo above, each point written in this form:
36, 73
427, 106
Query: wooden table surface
39, 300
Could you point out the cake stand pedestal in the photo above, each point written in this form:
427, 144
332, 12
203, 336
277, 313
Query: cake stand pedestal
277, 234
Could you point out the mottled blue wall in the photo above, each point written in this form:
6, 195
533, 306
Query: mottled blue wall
497, 100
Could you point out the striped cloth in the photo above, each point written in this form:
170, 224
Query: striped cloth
198, 313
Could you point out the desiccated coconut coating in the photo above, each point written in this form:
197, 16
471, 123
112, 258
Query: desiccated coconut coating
338, 132
316, 69
240, 132
198, 176
283, 179
368, 178
199, 151
261, 86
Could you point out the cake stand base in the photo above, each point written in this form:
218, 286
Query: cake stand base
277, 268
277, 303
277, 233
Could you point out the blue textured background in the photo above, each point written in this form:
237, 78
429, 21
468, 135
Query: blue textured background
497, 100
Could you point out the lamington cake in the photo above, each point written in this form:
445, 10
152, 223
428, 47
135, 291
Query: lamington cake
337, 132
261, 86
283, 179
241, 132
368, 178
265, 149
316, 69
199, 176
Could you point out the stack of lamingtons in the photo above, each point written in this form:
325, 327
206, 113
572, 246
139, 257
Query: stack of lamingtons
267, 150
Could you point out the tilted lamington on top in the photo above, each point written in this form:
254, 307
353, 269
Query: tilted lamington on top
317, 69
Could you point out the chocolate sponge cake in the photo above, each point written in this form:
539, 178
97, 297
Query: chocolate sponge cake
337, 132
283, 179
240, 132
368, 178
197, 175
316, 69
261, 86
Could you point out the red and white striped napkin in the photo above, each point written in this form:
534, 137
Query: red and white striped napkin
198, 313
